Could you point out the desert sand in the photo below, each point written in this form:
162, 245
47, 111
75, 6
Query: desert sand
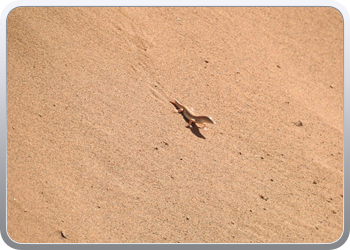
95, 153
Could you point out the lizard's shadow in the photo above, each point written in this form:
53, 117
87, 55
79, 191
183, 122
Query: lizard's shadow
194, 129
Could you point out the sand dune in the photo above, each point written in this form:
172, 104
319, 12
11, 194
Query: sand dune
95, 151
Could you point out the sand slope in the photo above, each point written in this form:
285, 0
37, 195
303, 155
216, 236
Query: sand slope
95, 150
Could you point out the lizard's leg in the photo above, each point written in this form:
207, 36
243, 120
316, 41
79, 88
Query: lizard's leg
189, 123
178, 110
204, 126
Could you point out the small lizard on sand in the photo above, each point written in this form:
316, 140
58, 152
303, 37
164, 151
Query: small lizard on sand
188, 113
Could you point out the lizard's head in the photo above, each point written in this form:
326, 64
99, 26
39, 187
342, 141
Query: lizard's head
208, 119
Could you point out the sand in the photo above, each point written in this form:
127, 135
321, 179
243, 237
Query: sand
95, 153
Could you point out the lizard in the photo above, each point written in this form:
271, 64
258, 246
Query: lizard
191, 116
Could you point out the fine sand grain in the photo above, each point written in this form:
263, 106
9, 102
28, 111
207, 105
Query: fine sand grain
95, 153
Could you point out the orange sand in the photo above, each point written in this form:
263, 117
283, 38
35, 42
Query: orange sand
95, 151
